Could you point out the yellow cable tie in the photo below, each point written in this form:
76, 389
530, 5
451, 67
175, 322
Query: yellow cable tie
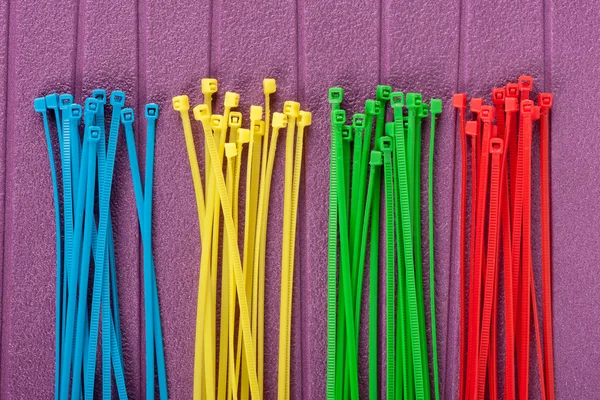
304, 120
209, 86
201, 113
291, 109
181, 104
219, 127
257, 129
225, 359
258, 285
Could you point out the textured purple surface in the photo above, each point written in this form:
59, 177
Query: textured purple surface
154, 51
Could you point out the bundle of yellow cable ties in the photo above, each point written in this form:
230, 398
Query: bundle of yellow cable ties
238, 371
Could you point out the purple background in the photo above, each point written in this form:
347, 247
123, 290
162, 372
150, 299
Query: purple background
153, 51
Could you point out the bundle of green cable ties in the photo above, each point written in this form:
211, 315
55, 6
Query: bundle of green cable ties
357, 159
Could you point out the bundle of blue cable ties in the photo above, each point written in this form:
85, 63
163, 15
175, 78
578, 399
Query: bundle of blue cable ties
85, 243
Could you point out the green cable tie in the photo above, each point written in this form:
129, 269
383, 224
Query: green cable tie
339, 118
401, 356
335, 98
422, 114
405, 206
385, 144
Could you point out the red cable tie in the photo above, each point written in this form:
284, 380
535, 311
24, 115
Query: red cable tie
511, 107
527, 109
487, 116
545, 102
496, 150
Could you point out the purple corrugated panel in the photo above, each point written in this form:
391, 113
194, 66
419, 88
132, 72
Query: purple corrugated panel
41, 54
571, 72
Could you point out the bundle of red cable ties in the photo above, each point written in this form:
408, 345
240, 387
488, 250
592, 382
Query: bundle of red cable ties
496, 236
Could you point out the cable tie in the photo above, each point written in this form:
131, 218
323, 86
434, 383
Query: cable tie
545, 102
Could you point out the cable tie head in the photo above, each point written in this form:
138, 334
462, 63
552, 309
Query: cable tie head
269, 86
243, 135
338, 118
347, 133
117, 98
215, 122
152, 111
487, 113
476, 104
65, 101
525, 83
376, 158
496, 145
498, 96
358, 121
291, 109
209, 86
90, 110
181, 103
435, 106
279, 120
76, 112
235, 119
459, 100
256, 113
527, 107
230, 150
372, 107
99, 95
304, 118
471, 128
258, 128
385, 144
512, 90
232, 99
39, 104
414, 101
127, 116
93, 133
397, 100
52, 101
336, 95
201, 113
545, 101
383, 92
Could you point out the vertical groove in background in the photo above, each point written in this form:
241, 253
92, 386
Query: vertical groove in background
383, 55
79, 49
4, 139
547, 17
210, 37
76, 59
453, 296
